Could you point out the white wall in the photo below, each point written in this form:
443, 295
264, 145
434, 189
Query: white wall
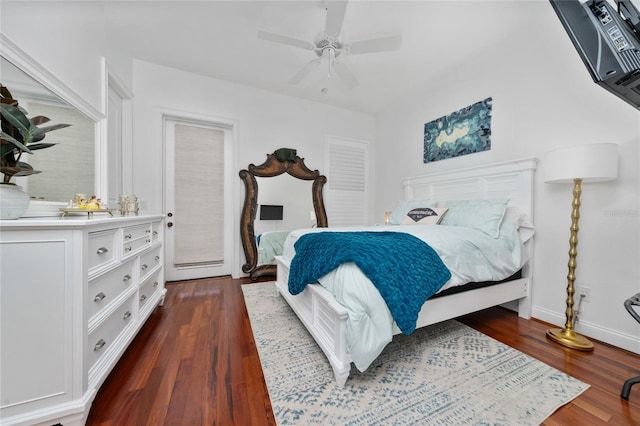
66, 39
265, 121
543, 98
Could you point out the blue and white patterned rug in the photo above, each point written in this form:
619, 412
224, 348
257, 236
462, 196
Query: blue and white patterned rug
445, 374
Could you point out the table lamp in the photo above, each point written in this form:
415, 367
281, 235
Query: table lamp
580, 164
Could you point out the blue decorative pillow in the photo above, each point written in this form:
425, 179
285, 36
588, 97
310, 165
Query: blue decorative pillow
483, 215
400, 212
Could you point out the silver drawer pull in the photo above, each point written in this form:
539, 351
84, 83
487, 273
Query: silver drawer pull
143, 298
99, 345
157, 258
148, 240
126, 277
127, 237
143, 267
102, 250
127, 249
127, 315
99, 297
147, 231
155, 232
155, 284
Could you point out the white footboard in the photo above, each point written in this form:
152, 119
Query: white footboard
326, 319
323, 317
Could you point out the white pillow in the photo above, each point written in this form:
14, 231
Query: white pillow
522, 222
424, 216
483, 215
398, 214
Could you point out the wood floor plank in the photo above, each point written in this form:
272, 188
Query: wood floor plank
195, 363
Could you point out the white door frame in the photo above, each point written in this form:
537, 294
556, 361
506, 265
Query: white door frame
230, 221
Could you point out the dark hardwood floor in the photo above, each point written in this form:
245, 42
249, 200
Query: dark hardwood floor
195, 363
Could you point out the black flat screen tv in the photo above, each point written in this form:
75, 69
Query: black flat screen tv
607, 38
271, 212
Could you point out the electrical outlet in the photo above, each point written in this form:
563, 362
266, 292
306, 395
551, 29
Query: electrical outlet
581, 290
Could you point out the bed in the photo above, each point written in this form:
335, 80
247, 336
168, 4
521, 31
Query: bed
508, 182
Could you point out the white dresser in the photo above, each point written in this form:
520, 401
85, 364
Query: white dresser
74, 292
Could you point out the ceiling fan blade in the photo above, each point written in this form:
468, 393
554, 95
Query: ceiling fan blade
335, 17
383, 44
346, 75
278, 38
300, 75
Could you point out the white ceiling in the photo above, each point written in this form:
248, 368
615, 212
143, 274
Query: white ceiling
219, 39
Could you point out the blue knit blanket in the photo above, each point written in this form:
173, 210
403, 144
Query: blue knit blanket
405, 270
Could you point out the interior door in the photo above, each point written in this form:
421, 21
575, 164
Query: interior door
196, 174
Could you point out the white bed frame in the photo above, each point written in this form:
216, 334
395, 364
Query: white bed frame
326, 319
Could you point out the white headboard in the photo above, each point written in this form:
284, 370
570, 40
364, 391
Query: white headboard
511, 180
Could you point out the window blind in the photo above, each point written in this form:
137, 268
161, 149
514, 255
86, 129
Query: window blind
199, 195
347, 191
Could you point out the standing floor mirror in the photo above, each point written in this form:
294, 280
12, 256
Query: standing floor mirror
289, 196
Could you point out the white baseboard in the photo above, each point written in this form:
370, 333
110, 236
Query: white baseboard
594, 331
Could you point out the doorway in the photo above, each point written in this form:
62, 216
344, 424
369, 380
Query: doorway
198, 239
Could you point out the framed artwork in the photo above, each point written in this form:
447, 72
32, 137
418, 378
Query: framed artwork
460, 133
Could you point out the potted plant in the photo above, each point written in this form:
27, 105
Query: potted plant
20, 134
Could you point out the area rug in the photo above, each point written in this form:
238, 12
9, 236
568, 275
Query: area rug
445, 374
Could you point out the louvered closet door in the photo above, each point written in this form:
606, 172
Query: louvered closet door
195, 201
347, 194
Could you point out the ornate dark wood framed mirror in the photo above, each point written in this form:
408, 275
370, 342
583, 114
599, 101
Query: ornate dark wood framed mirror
282, 161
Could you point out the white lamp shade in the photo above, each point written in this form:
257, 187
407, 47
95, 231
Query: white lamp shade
597, 162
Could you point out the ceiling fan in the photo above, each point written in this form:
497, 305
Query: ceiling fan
328, 44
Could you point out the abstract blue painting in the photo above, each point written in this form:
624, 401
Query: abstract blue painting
460, 133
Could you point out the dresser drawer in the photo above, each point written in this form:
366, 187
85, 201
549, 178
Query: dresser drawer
131, 233
101, 249
106, 288
135, 239
135, 246
149, 261
106, 334
149, 288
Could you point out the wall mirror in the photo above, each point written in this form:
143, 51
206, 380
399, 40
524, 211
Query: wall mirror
285, 182
74, 164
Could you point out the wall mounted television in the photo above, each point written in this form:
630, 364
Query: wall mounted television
607, 37
271, 212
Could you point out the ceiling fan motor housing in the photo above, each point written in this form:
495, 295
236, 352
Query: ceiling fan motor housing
323, 42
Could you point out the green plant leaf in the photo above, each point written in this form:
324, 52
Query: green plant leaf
40, 119
5, 92
21, 169
16, 118
39, 131
25, 169
9, 101
9, 143
41, 145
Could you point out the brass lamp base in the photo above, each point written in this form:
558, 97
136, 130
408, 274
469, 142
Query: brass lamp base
567, 336
569, 339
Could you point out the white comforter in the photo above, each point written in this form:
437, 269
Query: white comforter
470, 255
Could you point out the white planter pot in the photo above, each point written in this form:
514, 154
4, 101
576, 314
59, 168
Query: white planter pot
14, 202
